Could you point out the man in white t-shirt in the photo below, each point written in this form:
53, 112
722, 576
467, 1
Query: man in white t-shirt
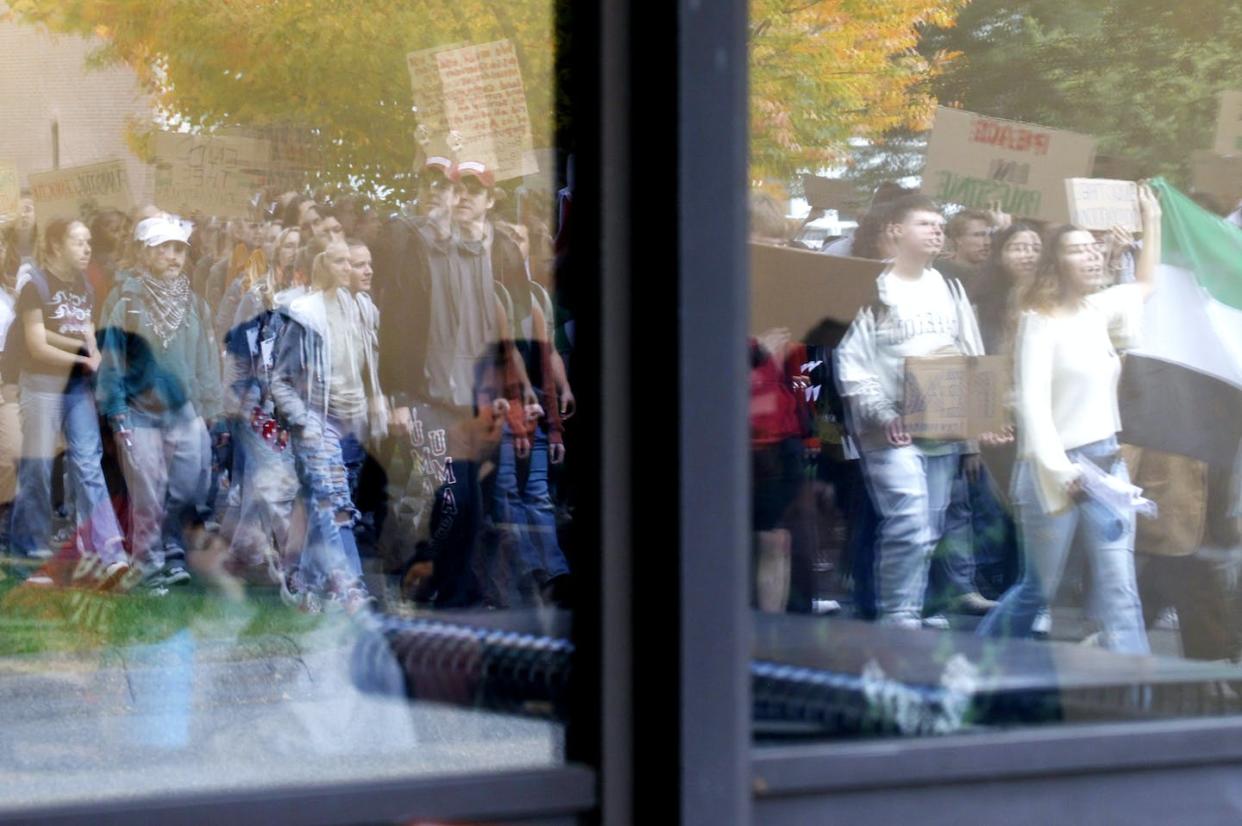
917, 313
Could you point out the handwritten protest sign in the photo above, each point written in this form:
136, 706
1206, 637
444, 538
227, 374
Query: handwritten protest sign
1217, 175
1116, 167
215, 174
472, 97
293, 153
955, 397
81, 191
798, 289
10, 191
975, 160
1095, 203
1229, 125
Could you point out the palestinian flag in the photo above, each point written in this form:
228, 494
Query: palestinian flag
1181, 391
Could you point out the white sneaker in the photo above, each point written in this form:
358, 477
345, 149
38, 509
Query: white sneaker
939, 622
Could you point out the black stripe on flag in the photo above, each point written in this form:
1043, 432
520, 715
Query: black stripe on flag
1173, 408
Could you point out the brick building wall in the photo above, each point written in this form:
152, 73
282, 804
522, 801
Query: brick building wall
44, 76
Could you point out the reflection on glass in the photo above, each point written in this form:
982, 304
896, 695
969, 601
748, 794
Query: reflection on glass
994, 407
285, 419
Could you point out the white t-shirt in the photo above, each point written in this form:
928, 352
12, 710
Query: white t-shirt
921, 319
1067, 372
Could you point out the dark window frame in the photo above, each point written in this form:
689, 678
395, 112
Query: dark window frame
662, 705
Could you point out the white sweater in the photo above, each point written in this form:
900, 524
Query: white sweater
926, 316
1067, 370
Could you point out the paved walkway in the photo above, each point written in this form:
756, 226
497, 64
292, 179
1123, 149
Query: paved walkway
190, 713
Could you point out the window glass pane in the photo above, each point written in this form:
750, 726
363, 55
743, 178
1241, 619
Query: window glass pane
995, 366
287, 411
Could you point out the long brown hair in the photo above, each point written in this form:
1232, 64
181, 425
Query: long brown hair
1044, 292
55, 234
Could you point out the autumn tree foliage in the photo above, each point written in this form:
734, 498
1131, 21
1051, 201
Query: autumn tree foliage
822, 71
825, 71
336, 67
1141, 76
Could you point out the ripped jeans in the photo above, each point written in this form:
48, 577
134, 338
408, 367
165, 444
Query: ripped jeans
266, 501
329, 457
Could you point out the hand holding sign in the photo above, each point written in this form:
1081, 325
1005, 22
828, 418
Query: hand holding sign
997, 217
1149, 207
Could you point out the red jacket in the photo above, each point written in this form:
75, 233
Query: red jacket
779, 409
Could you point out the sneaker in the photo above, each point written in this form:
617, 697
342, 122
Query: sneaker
40, 554
973, 604
1168, 620
93, 573
113, 576
1042, 626
825, 606
152, 583
175, 572
937, 622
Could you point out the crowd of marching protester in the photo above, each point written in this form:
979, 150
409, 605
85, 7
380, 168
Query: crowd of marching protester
298, 399
992, 533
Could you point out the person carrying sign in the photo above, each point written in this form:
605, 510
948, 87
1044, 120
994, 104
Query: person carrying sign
917, 313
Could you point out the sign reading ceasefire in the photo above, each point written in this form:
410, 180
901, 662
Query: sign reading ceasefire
977, 161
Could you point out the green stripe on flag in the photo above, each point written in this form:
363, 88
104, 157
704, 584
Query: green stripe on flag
1205, 244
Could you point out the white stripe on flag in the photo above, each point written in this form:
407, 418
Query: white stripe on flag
1184, 325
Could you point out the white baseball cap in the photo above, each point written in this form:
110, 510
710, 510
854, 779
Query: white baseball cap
163, 228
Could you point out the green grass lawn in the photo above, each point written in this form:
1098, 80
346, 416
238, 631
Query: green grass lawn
35, 620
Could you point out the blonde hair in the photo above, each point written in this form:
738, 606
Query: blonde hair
256, 271
321, 277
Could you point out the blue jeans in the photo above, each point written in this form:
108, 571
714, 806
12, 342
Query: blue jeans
265, 499
167, 468
329, 456
45, 415
910, 490
1046, 539
529, 554
979, 544
953, 562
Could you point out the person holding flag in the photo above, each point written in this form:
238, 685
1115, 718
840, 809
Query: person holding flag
1067, 372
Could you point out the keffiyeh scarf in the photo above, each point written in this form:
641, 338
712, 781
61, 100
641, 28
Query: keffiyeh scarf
168, 302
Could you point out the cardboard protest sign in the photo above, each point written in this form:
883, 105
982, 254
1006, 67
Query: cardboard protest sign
293, 153
955, 397
10, 191
214, 174
798, 289
1117, 168
81, 191
1229, 125
1095, 203
473, 97
833, 193
975, 160
1217, 175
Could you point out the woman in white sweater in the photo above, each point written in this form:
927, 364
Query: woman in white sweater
1067, 367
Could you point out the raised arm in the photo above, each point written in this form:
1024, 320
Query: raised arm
1149, 257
